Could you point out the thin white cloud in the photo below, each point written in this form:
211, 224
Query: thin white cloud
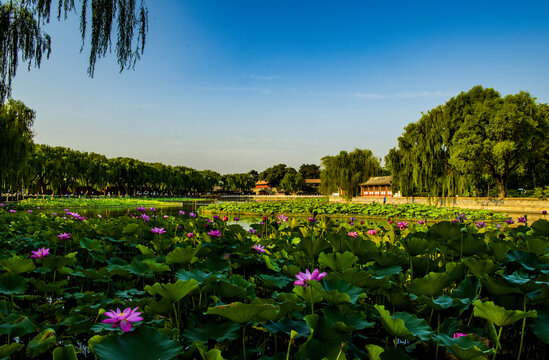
264, 77
413, 94
257, 90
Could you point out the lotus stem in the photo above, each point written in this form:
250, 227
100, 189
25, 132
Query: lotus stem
497, 342
522, 331
244, 342
176, 316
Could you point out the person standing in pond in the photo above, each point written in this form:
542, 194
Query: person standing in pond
384, 200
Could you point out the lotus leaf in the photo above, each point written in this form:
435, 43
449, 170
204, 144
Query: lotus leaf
64, 353
288, 325
394, 354
337, 261
335, 288
173, 291
541, 227
18, 264
430, 285
374, 351
499, 315
244, 313
313, 293
16, 325
144, 343
182, 256
464, 347
394, 326
8, 349
540, 326
478, 267
41, 342
218, 331
527, 260
11, 283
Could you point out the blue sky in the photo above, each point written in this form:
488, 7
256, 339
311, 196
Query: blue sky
238, 85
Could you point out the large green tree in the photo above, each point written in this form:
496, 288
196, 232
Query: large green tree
346, 171
16, 122
22, 37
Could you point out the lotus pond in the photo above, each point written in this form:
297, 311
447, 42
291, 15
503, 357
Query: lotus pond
190, 287
322, 206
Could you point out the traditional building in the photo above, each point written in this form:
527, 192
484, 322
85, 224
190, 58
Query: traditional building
263, 188
377, 186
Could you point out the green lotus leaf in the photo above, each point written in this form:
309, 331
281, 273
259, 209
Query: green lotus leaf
275, 281
325, 350
182, 256
142, 344
288, 325
139, 268
244, 313
439, 304
541, 227
16, 325
200, 276
360, 247
173, 292
430, 285
471, 244
313, 247
464, 347
380, 273
498, 287
499, 251
478, 267
355, 277
445, 230
537, 244
415, 246
499, 315
527, 260
336, 286
11, 283
467, 291
374, 351
131, 228
418, 327
18, 264
91, 244
64, 353
145, 250
312, 293
41, 342
162, 306
394, 354
218, 331
540, 326
155, 266
394, 326
8, 349
517, 279
346, 321
337, 261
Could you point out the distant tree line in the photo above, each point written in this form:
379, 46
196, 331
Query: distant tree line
477, 144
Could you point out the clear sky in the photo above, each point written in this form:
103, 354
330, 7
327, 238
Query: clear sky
245, 84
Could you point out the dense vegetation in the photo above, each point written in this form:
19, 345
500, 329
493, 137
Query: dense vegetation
200, 288
98, 202
322, 206
22, 37
477, 144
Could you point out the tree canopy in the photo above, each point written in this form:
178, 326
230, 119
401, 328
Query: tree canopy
475, 140
22, 37
346, 171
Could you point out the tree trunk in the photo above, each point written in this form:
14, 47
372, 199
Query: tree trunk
501, 188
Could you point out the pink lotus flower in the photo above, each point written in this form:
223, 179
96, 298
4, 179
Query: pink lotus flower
193, 215
402, 225
29, 211
215, 217
1, 204
40, 253
312, 220
252, 231
236, 219
151, 209
64, 236
38, 208
225, 218
226, 256
53, 214
215, 233
510, 221
123, 319
259, 248
165, 216
181, 212
12, 211
190, 235
145, 217
371, 232
281, 217
544, 212
390, 222
421, 222
458, 335
158, 231
99, 216
304, 278
481, 224
522, 220
361, 222
352, 234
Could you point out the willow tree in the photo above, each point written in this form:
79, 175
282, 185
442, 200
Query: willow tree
22, 37
16, 122
346, 171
